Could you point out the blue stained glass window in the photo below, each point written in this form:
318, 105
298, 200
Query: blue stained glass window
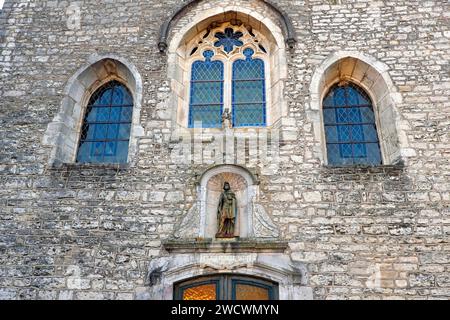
350, 127
229, 39
106, 128
206, 101
249, 92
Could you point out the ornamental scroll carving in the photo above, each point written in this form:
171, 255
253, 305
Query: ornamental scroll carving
189, 226
263, 225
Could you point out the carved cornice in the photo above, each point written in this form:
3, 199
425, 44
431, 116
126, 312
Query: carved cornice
232, 246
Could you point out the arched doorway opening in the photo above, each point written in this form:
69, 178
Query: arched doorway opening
226, 287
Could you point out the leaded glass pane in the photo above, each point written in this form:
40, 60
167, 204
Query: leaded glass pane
370, 133
359, 150
357, 134
329, 116
126, 114
352, 96
249, 92
247, 115
110, 148
114, 115
206, 100
339, 97
100, 131
350, 127
124, 131
344, 134
206, 292
103, 97
206, 93
208, 116
373, 153
107, 126
367, 115
245, 292
331, 133
113, 131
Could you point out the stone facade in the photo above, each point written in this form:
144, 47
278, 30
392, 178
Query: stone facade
71, 231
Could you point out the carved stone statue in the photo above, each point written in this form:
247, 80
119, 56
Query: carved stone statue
227, 213
227, 119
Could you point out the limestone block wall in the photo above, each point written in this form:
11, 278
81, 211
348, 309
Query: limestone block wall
90, 232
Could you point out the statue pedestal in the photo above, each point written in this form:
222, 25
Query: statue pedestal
226, 239
234, 244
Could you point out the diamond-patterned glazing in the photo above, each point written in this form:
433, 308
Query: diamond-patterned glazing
206, 101
107, 126
206, 292
247, 292
350, 127
249, 92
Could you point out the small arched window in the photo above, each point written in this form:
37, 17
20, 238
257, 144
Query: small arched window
350, 127
105, 133
228, 73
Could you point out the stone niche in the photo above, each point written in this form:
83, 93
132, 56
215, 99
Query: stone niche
214, 189
253, 221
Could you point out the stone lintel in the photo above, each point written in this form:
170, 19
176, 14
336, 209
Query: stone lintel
226, 246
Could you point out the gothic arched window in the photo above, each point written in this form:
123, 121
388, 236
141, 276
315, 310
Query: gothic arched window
350, 127
228, 73
206, 92
106, 128
249, 91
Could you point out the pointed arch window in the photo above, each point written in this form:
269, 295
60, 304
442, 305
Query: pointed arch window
206, 105
350, 127
106, 128
249, 91
228, 73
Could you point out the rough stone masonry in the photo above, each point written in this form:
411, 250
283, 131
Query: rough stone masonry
76, 231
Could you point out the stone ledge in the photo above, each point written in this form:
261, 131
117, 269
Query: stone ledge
363, 168
90, 166
230, 246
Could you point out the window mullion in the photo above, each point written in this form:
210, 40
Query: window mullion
228, 86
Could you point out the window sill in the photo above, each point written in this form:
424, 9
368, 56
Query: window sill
96, 166
364, 168
214, 132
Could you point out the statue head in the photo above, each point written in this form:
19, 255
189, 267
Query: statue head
226, 186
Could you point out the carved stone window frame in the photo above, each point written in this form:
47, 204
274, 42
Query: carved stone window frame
373, 76
202, 44
179, 68
63, 133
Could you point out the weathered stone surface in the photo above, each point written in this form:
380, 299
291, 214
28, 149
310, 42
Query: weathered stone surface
91, 231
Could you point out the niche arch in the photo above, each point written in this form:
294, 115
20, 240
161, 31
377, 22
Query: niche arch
200, 222
211, 186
